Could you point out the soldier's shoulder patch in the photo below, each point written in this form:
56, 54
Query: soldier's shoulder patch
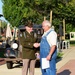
20, 34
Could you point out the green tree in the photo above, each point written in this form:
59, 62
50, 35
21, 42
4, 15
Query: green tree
17, 12
12, 11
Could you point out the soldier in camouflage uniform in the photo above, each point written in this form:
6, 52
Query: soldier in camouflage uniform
27, 40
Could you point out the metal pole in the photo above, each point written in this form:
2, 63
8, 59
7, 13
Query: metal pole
44, 18
0, 27
51, 16
64, 28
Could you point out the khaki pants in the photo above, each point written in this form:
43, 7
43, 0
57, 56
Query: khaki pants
28, 63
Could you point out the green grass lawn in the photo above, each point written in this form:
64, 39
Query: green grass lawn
72, 43
59, 55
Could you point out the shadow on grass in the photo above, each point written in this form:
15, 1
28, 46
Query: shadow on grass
59, 57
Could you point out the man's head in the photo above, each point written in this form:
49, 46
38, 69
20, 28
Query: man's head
46, 25
29, 26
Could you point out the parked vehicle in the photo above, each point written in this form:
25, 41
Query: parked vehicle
13, 53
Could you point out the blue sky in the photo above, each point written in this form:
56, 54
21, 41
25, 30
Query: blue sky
1, 7
2, 18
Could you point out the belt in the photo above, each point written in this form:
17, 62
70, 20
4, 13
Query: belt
28, 48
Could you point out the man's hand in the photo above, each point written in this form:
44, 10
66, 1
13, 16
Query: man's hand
48, 57
37, 55
36, 45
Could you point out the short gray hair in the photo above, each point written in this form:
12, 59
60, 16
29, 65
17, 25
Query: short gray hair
46, 22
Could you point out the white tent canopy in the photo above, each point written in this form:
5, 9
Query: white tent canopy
8, 31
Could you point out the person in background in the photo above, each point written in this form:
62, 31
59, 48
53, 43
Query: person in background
27, 40
48, 48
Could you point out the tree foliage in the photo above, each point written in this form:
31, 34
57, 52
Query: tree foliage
17, 12
12, 11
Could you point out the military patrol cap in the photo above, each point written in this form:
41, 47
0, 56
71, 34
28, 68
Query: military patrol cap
29, 24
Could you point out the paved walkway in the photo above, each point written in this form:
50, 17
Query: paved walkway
67, 69
66, 66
